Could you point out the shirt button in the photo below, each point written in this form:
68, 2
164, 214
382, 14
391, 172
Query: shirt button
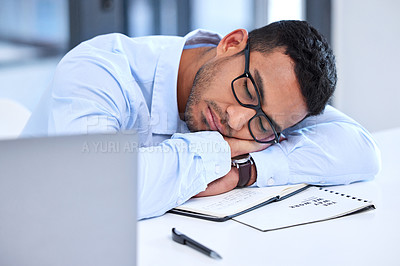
179, 201
217, 169
270, 182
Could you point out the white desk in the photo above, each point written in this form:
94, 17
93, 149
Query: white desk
369, 238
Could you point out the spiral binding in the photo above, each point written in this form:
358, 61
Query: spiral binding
343, 195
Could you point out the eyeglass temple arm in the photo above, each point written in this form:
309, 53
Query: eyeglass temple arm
247, 59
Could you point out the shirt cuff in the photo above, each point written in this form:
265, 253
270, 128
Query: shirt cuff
213, 150
272, 166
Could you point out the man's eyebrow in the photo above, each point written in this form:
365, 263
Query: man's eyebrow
259, 82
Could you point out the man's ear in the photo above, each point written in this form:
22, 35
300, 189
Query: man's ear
233, 42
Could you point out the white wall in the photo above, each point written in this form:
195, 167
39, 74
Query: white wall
366, 36
25, 83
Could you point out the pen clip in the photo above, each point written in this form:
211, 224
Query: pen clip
178, 236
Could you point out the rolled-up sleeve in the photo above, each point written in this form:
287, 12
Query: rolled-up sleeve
329, 149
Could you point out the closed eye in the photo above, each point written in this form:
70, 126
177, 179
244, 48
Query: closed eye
248, 92
262, 128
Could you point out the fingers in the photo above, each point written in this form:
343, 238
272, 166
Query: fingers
240, 146
227, 183
222, 185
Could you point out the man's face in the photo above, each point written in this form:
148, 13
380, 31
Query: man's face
212, 105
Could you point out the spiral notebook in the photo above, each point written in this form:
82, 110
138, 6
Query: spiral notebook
315, 204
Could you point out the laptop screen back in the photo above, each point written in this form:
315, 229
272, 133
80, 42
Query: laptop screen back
68, 200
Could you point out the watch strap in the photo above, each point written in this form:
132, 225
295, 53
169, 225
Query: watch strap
244, 173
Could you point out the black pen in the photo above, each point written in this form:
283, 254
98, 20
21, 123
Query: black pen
184, 240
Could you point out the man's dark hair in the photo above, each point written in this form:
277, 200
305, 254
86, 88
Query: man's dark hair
314, 60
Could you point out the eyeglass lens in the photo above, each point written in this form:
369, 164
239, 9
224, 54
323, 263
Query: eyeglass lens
246, 94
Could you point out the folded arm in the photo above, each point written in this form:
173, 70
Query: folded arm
328, 149
89, 96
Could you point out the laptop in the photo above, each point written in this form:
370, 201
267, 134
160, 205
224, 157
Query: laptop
68, 200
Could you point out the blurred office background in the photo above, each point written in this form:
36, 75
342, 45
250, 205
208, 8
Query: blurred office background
365, 35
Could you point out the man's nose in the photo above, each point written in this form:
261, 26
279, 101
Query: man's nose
239, 116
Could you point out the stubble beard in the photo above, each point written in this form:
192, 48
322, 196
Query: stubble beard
201, 81
201, 86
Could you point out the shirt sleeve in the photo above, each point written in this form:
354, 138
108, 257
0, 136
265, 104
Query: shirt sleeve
179, 168
329, 149
87, 98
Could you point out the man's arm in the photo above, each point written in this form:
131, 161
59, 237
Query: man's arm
230, 180
90, 96
328, 149
179, 168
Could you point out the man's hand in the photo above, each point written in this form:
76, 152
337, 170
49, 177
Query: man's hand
241, 146
230, 180
227, 182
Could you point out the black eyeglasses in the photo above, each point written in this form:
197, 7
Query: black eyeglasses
244, 89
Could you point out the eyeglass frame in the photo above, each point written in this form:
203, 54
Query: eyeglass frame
257, 108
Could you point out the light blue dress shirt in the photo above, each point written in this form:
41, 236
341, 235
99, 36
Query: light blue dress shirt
114, 82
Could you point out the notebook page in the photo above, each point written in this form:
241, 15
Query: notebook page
313, 204
231, 202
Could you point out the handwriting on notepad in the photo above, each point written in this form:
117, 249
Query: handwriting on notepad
316, 201
232, 199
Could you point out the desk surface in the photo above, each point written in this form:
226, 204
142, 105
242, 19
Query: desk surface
368, 238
